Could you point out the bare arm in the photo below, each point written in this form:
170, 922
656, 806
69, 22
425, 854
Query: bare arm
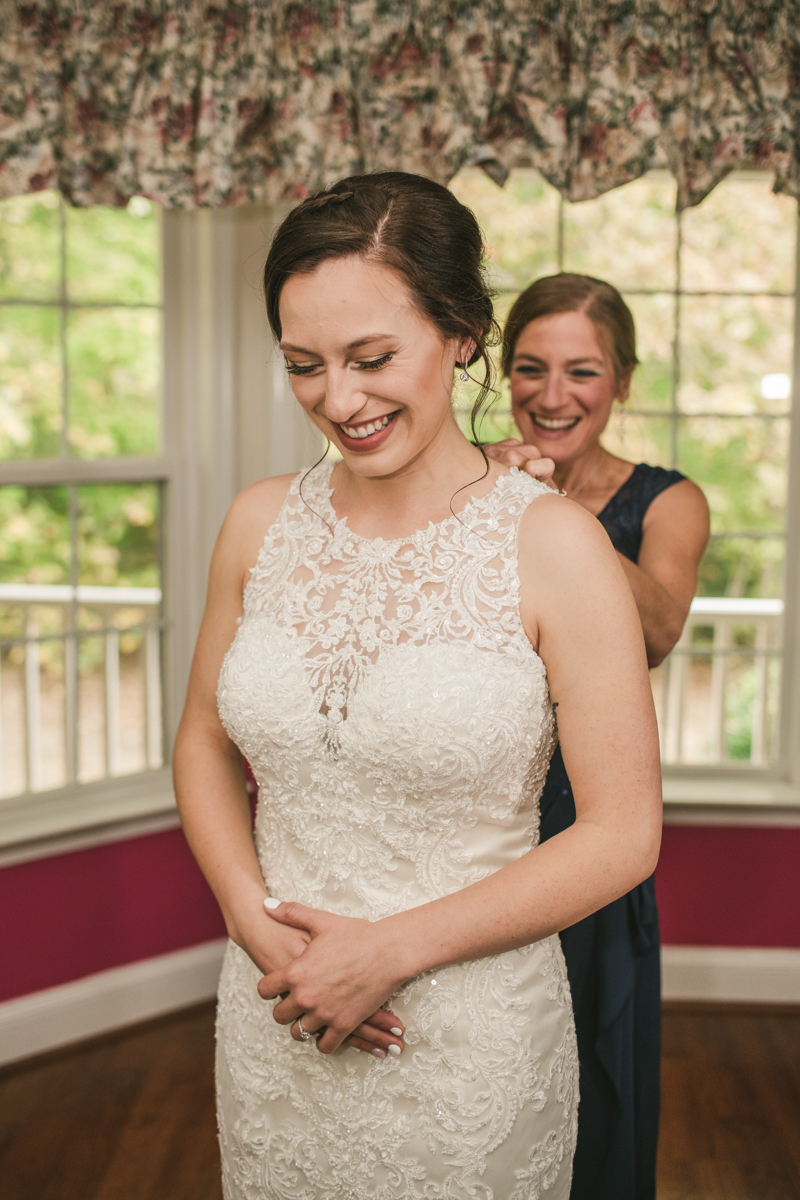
664, 582
209, 779
578, 609
207, 767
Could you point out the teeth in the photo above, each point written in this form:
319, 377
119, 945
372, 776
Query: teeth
362, 431
554, 422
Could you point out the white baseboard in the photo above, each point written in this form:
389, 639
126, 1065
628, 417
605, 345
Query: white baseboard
111, 999
758, 976
99, 1003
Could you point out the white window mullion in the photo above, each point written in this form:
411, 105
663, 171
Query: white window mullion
789, 753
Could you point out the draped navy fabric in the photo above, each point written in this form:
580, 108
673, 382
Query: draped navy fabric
614, 966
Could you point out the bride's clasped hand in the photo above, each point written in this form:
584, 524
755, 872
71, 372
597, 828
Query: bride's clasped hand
348, 970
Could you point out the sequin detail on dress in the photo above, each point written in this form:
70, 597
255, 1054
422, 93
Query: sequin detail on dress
399, 725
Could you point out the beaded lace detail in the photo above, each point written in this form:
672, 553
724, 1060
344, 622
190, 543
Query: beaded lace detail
398, 723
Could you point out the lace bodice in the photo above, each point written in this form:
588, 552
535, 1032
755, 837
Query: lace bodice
399, 662
398, 723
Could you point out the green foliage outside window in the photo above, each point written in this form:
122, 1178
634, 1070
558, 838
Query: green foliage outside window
80, 332
80, 335
712, 294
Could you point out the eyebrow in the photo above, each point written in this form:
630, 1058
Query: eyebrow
362, 341
571, 362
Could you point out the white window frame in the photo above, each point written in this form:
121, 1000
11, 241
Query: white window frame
762, 794
230, 419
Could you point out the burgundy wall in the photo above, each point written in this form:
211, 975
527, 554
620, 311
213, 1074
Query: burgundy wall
729, 886
69, 916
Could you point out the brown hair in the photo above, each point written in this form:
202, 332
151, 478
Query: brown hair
408, 223
562, 293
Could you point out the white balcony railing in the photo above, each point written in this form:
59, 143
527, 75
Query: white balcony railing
717, 693
80, 684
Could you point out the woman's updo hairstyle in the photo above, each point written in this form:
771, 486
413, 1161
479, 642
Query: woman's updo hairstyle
562, 293
408, 223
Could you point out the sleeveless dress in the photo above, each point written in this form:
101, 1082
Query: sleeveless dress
613, 962
399, 725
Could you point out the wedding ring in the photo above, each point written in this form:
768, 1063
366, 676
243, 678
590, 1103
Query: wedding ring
305, 1036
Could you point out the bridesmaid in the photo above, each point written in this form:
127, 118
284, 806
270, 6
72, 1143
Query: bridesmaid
569, 350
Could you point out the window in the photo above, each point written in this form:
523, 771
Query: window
712, 292
81, 489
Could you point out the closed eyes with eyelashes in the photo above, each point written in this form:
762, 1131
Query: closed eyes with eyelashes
577, 372
371, 364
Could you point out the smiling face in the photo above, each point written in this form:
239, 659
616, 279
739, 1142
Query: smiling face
562, 385
371, 372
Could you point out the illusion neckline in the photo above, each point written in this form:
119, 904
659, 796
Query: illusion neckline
325, 492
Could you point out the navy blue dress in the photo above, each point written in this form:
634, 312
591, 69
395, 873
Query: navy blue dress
613, 963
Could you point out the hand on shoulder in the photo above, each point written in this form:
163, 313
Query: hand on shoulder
512, 453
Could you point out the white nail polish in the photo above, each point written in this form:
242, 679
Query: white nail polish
378, 1053
397, 1032
395, 1050
271, 902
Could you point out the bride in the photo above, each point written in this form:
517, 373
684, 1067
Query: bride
387, 640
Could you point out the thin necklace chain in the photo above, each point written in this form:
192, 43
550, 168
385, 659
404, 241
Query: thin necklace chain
588, 479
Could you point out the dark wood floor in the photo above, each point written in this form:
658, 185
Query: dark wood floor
131, 1116
730, 1124
128, 1117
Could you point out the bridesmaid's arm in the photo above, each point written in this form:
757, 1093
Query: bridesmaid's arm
664, 582
579, 614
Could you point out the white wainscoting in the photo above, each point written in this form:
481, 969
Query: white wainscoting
99, 1003
758, 976
112, 999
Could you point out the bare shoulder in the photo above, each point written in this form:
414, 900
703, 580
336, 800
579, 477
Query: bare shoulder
569, 572
682, 499
248, 521
555, 530
259, 504
678, 516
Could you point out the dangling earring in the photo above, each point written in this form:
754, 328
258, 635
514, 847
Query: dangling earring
621, 423
464, 377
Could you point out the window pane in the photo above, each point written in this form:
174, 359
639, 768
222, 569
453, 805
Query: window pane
112, 254
651, 386
114, 361
80, 689
740, 239
627, 236
119, 688
30, 267
740, 463
34, 562
34, 535
30, 382
118, 535
751, 567
519, 221
640, 438
736, 354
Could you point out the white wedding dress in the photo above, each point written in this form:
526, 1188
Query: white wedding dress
399, 725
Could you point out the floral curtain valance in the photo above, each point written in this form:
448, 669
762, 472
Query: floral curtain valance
230, 103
